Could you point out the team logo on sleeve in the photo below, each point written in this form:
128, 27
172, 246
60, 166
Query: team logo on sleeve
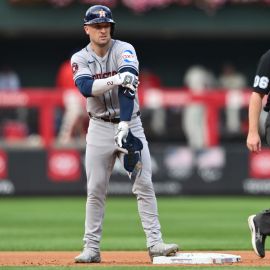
74, 68
128, 56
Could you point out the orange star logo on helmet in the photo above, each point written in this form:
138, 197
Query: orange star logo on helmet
102, 13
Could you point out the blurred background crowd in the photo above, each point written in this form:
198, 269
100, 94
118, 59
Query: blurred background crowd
194, 54
144, 5
197, 65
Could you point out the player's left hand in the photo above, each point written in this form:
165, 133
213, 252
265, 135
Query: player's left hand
121, 133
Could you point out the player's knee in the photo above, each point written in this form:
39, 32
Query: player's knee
143, 187
97, 190
93, 197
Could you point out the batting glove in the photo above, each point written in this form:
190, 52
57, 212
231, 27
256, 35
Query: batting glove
128, 80
121, 133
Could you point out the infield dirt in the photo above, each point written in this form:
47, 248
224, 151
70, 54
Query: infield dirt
113, 258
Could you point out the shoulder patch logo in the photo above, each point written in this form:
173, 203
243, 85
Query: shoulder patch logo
128, 56
75, 68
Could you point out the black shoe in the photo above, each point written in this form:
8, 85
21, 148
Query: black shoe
257, 238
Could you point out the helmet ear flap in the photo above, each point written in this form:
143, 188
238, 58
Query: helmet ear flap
112, 29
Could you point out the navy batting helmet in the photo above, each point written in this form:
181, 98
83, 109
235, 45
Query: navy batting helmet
98, 14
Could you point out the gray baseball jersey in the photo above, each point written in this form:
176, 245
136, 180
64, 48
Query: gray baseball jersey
87, 63
101, 150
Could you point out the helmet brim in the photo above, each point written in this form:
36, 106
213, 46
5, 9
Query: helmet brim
99, 20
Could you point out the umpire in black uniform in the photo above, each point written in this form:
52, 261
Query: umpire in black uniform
259, 224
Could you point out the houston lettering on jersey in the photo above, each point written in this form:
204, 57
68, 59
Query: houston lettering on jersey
104, 75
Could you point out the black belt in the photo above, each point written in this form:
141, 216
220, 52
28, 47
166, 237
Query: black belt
114, 120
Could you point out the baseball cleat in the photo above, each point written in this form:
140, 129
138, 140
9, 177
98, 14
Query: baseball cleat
88, 256
257, 238
162, 249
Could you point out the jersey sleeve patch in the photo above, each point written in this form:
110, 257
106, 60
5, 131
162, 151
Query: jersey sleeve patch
128, 56
261, 82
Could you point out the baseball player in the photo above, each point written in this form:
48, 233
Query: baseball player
106, 73
259, 224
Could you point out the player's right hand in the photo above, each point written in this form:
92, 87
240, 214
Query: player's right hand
129, 80
254, 142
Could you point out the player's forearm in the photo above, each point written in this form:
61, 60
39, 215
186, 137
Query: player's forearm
100, 86
255, 107
126, 106
89, 87
126, 97
126, 79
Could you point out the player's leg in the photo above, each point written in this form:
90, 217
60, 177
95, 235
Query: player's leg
146, 198
99, 162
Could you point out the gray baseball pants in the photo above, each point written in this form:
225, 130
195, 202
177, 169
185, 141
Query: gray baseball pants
101, 153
